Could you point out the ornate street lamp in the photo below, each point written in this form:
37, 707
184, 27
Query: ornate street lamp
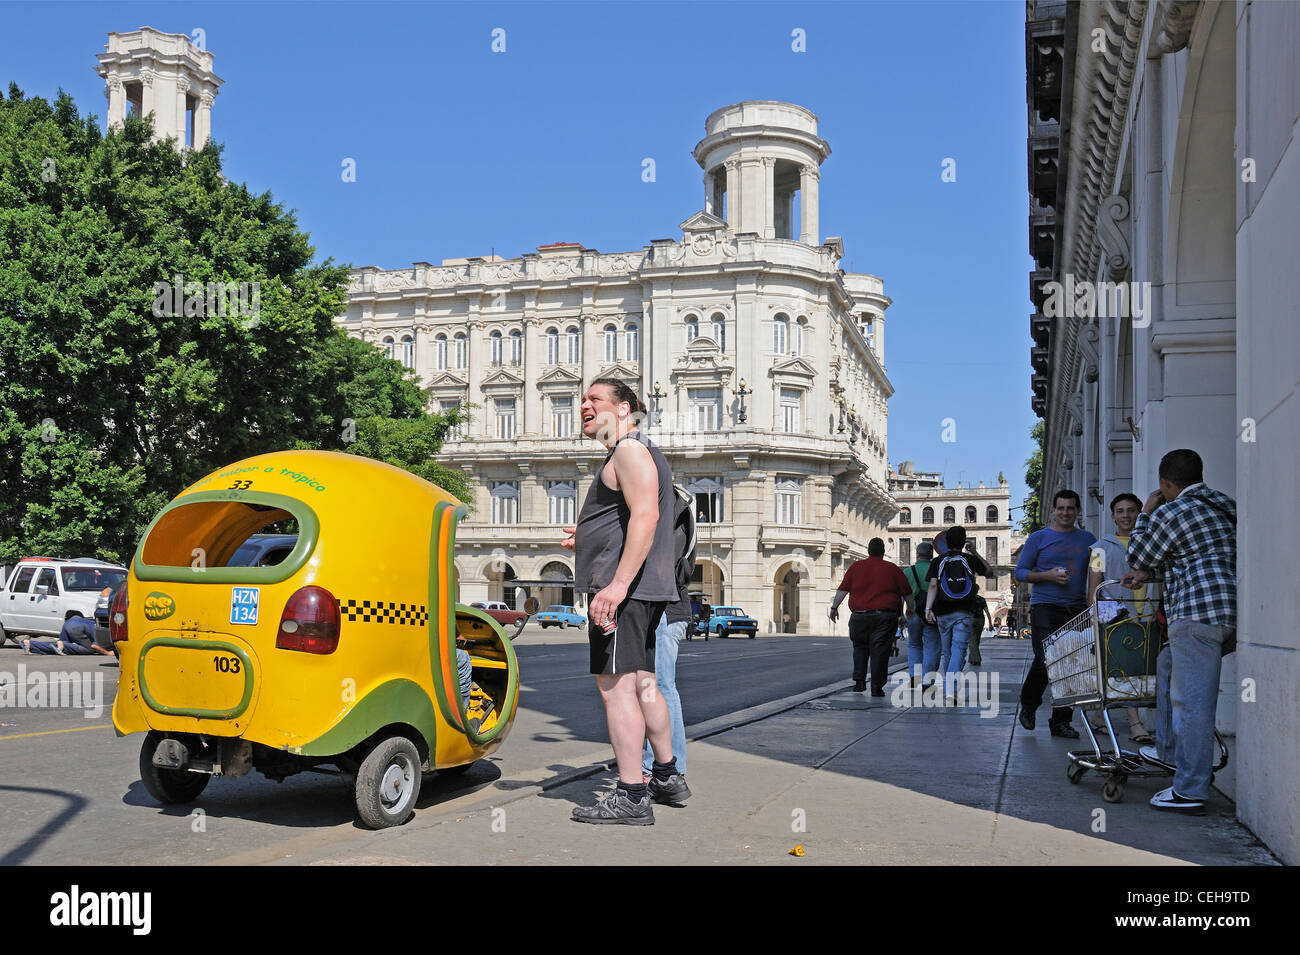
741, 392
840, 401
658, 395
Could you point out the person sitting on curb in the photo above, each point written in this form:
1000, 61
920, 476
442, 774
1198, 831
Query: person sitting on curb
1188, 532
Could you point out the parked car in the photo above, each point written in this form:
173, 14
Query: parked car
503, 615
558, 615
726, 621
42, 592
263, 550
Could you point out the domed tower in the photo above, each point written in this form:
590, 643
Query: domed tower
761, 162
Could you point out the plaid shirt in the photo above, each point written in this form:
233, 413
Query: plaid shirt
1192, 540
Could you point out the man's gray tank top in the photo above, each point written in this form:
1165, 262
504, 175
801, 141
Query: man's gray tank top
602, 532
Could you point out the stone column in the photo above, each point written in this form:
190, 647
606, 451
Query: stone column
808, 225
203, 119
423, 366
116, 101
474, 373
769, 198
182, 94
733, 193
147, 102
532, 409
589, 356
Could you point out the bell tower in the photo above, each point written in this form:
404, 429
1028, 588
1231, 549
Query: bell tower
762, 162
161, 73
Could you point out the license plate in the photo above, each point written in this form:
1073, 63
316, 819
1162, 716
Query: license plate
243, 604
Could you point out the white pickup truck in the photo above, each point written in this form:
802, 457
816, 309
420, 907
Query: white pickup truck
42, 592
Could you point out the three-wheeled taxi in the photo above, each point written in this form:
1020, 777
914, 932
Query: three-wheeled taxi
341, 654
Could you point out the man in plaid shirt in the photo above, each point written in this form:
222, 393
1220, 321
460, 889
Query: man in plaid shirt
1187, 532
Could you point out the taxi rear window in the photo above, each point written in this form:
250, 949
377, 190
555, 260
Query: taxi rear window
198, 537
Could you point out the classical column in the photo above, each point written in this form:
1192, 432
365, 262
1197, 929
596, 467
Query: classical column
475, 371
589, 361
203, 119
147, 103
182, 94
808, 179
733, 193
116, 101
532, 410
423, 369
769, 198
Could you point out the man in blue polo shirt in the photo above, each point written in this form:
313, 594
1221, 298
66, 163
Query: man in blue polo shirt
1055, 561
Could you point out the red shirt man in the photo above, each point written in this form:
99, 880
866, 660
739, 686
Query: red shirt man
877, 592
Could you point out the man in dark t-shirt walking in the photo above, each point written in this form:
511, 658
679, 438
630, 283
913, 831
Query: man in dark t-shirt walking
877, 592
625, 563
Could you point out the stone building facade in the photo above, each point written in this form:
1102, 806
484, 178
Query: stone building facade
926, 507
1164, 186
148, 71
761, 361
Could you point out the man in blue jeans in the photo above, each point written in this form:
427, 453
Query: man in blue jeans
1188, 532
922, 636
951, 602
1055, 560
668, 637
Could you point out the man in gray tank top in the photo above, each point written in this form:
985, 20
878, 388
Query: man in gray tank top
623, 550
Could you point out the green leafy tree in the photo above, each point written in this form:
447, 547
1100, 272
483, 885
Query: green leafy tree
1034, 479
124, 375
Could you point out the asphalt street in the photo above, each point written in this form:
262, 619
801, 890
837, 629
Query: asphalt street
73, 796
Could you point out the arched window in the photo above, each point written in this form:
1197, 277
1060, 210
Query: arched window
574, 346
408, 351
632, 343
927, 515
692, 328
440, 353
552, 346
719, 324
905, 516
516, 347
991, 514
780, 335
495, 342
611, 343
796, 341
950, 515
389, 347
970, 514
460, 355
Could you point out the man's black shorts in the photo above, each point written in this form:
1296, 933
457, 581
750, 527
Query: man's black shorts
631, 646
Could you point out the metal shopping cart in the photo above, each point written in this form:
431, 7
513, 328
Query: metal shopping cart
1103, 659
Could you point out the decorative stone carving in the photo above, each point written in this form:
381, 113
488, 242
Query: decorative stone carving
1173, 24
393, 281
702, 244
1112, 223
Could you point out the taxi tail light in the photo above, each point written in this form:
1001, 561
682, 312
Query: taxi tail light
117, 615
310, 622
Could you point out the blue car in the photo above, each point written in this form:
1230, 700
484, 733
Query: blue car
558, 615
727, 621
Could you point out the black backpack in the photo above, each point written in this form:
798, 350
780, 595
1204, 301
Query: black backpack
956, 579
684, 537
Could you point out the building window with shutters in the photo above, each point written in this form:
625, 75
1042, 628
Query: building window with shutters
705, 408
708, 499
791, 410
562, 416
494, 341
505, 502
991, 558
574, 339
408, 351
462, 352
560, 498
440, 352
780, 335
950, 515
927, 515
611, 343
719, 323
390, 349
991, 514
970, 514
505, 418
789, 500
632, 343
516, 347
904, 552
905, 516
552, 346
455, 432
692, 328
796, 340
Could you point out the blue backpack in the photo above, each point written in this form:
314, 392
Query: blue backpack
956, 579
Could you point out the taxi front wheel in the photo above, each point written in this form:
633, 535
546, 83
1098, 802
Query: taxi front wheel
388, 783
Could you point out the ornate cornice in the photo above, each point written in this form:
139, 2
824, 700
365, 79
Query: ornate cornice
1172, 27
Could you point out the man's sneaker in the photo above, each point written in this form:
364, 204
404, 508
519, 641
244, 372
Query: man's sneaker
617, 809
1169, 800
1027, 718
1065, 730
671, 791
860, 687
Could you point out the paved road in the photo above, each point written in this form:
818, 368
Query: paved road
72, 793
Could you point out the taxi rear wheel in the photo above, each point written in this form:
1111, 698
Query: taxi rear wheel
388, 783
168, 786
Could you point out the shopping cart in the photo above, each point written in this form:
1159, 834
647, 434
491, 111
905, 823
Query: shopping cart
1104, 659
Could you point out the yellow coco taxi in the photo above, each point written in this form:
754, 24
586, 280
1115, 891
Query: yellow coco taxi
341, 652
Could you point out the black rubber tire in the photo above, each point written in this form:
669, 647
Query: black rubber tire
752, 636
397, 753
1074, 773
1113, 790
171, 787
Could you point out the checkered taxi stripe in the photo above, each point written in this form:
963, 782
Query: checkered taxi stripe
379, 611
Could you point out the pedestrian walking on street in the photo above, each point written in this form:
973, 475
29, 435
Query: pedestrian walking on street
623, 551
1188, 533
1055, 560
950, 603
877, 592
922, 636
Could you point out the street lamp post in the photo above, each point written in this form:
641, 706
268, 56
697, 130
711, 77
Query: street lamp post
658, 395
741, 392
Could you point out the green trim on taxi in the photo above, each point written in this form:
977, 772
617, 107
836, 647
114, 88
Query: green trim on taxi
226, 714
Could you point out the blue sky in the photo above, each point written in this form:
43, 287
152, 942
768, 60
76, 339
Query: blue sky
460, 150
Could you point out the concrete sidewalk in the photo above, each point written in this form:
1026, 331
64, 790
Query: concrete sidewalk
850, 779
